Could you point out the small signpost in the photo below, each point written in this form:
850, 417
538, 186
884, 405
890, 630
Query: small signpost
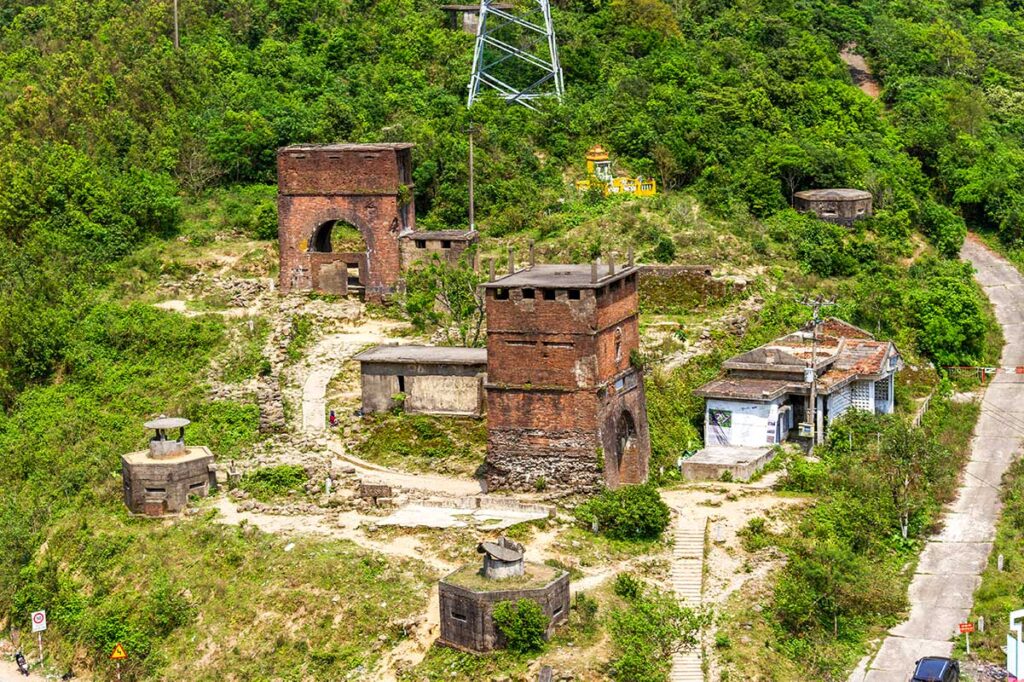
118, 655
966, 629
38, 625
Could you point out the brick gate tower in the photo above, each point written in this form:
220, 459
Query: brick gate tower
564, 404
341, 211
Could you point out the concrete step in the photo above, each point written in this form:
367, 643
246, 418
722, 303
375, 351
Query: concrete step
687, 577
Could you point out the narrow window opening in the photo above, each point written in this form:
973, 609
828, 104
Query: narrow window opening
421, 244
558, 611
197, 486
156, 491
446, 244
614, 286
574, 294
501, 294
528, 293
401, 384
549, 294
461, 617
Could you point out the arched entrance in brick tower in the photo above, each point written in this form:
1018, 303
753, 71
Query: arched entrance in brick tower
340, 263
625, 440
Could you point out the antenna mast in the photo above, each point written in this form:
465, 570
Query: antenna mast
520, 73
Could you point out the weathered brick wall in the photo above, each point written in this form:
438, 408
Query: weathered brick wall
317, 186
552, 404
633, 467
412, 254
326, 171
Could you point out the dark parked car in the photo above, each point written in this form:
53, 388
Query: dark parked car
935, 669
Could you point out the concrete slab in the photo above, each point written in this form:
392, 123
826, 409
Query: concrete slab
710, 463
966, 528
989, 448
931, 623
950, 591
423, 516
979, 502
898, 654
954, 558
984, 473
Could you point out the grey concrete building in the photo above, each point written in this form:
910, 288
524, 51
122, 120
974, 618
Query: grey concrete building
447, 245
434, 379
841, 206
159, 480
468, 596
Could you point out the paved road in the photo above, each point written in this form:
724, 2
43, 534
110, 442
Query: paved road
942, 590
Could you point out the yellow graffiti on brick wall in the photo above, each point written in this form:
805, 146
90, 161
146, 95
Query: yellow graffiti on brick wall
599, 172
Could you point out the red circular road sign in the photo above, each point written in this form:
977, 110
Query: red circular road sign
38, 617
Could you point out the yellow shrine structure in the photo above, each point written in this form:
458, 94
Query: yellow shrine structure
599, 171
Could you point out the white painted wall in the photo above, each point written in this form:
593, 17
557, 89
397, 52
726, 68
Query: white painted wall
751, 423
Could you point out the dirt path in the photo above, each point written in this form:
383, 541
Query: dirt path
326, 359
948, 573
860, 71
442, 485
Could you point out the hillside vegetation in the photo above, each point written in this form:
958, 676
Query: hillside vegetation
114, 146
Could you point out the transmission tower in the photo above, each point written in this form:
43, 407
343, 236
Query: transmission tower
516, 52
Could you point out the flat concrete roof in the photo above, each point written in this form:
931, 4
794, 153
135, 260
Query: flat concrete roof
349, 147
436, 235
424, 355
167, 423
560, 277
728, 454
192, 452
833, 194
476, 8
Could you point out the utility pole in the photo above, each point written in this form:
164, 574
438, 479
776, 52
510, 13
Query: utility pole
472, 170
177, 45
811, 373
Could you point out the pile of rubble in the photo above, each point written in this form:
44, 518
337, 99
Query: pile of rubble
240, 292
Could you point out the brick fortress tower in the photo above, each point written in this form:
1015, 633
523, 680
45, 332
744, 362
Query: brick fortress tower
564, 404
341, 211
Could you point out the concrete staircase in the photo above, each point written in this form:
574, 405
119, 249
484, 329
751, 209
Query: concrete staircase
687, 580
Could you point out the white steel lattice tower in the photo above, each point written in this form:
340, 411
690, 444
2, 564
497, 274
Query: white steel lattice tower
516, 52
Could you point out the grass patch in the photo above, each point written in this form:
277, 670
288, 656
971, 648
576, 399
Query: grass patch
447, 445
300, 338
534, 576
274, 482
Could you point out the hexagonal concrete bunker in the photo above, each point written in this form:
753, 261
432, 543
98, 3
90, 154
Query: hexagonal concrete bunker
468, 596
159, 480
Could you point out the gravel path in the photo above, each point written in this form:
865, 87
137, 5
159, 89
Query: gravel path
948, 573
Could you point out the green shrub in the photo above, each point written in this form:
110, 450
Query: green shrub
627, 586
523, 624
586, 611
274, 481
632, 512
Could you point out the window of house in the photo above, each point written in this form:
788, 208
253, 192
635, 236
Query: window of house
421, 243
549, 294
197, 486
156, 491
574, 294
461, 617
446, 244
558, 611
401, 384
614, 286
528, 293
501, 294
